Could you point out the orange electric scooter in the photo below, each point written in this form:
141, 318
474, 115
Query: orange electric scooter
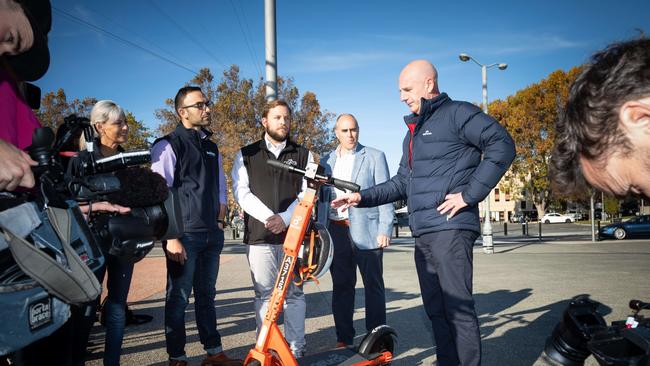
271, 349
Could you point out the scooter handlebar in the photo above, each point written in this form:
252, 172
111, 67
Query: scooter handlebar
639, 305
338, 183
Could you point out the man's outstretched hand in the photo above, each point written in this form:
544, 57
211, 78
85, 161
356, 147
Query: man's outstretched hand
347, 200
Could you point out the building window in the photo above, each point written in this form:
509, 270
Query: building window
507, 195
523, 205
497, 195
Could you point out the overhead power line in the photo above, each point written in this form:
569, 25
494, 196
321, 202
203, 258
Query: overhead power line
187, 33
120, 39
251, 51
135, 35
250, 38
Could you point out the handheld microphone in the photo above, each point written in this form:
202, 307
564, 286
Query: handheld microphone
338, 183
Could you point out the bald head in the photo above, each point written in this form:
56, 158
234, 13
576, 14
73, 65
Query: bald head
419, 79
347, 131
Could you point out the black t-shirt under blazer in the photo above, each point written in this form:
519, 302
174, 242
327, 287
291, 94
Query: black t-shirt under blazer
276, 188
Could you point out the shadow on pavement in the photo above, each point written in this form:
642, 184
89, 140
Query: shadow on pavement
521, 344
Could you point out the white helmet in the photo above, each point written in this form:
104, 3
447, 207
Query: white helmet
315, 255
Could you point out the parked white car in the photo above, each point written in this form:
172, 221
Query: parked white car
554, 217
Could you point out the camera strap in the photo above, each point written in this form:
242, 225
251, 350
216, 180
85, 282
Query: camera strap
71, 281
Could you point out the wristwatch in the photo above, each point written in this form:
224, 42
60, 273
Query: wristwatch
221, 222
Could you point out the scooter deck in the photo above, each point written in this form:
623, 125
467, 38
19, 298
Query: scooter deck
339, 357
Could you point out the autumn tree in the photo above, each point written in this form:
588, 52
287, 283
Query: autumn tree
237, 107
530, 116
55, 107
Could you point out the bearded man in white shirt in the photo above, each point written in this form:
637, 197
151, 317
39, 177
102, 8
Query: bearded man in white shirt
268, 196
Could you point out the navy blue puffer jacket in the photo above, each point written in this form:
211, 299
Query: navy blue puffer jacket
447, 142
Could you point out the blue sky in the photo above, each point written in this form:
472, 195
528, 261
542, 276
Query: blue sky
348, 52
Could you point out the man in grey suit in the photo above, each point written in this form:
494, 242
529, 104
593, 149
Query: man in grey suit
359, 234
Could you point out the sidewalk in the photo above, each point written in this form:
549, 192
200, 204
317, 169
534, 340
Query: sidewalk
520, 292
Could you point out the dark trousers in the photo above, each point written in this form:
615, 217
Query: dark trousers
344, 279
119, 274
444, 264
199, 272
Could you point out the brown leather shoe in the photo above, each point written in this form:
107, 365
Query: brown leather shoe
220, 359
177, 363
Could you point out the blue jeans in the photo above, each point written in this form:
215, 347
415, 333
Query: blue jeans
119, 274
199, 272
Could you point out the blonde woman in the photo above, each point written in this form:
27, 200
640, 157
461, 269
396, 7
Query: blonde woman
109, 122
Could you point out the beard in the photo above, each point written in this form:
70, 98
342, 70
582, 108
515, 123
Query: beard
278, 135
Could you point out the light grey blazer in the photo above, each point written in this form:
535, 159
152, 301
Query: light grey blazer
370, 168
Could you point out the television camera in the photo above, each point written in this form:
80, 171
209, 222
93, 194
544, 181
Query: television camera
49, 253
583, 332
120, 179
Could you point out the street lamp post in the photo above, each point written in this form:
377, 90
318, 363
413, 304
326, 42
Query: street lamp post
488, 245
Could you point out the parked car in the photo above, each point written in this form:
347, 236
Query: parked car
577, 215
517, 218
554, 217
639, 225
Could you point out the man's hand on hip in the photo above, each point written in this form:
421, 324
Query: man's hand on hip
453, 203
347, 200
275, 224
383, 241
175, 251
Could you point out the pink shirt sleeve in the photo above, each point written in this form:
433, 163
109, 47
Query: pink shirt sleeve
17, 120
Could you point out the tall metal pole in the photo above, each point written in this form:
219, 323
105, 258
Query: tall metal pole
592, 211
271, 50
488, 245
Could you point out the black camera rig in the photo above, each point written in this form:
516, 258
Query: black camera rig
583, 332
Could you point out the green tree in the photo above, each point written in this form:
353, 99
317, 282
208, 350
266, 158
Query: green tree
139, 135
611, 206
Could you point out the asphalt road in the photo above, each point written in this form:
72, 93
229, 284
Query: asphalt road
520, 292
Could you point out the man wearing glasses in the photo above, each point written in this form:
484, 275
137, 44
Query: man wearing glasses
190, 162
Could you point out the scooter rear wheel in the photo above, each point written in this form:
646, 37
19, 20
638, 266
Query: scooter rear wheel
381, 339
